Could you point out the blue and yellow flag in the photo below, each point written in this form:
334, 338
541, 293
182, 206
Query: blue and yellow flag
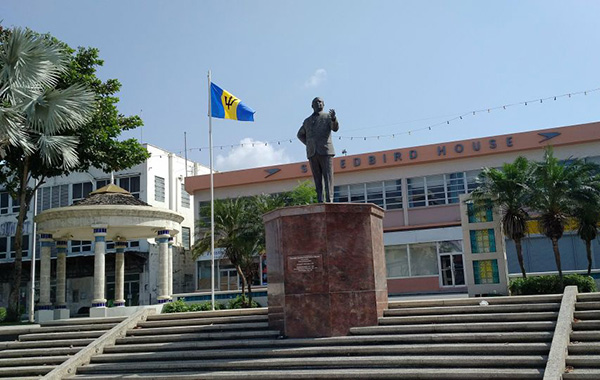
224, 105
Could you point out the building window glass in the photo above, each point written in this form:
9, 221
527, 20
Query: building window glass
486, 272
483, 241
357, 193
131, 184
3, 247
423, 259
375, 193
52, 196
436, 190
472, 179
80, 246
340, 193
411, 260
416, 192
480, 214
185, 237
25, 246
16, 205
451, 246
4, 202
393, 194
159, 189
101, 183
396, 258
81, 190
185, 197
455, 182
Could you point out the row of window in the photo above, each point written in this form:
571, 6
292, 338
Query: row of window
419, 259
385, 194
159, 192
7, 246
431, 190
440, 189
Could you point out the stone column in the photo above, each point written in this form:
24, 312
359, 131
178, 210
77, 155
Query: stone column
163, 256
61, 311
170, 271
99, 301
44, 309
120, 273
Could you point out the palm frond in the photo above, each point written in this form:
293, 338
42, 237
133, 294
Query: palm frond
56, 111
28, 63
12, 131
58, 150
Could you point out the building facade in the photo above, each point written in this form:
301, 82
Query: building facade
419, 188
159, 181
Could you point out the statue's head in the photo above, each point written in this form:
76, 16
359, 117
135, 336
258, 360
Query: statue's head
318, 104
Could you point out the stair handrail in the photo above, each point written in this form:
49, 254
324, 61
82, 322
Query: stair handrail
69, 367
556, 364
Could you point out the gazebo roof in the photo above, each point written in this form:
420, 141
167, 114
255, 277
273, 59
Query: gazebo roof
124, 217
110, 195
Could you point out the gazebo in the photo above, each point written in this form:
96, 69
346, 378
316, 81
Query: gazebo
109, 212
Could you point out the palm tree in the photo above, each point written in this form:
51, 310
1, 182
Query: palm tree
586, 214
560, 186
235, 233
510, 190
36, 120
587, 219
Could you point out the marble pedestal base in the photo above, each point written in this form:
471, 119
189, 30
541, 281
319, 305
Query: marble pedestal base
326, 268
62, 314
98, 312
42, 316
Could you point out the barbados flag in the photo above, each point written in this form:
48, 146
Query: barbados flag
224, 105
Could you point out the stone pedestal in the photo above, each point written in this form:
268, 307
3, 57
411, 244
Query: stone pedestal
326, 268
62, 313
44, 315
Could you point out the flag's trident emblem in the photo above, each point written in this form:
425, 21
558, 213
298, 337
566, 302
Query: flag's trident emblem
229, 101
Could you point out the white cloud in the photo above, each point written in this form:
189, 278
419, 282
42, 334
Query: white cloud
247, 156
316, 79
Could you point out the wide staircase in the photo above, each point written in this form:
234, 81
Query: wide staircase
583, 360
477, 338
37, 353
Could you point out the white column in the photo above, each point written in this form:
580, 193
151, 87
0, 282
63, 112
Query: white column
120, 273
163, 257
60, 309
45, 266
99, 268
170, 271
61, 274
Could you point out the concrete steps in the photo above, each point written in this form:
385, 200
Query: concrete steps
507, 338
39, 351
583, 360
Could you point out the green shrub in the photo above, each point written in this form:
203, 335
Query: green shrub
2, 314
241, 302
180, 306
550, 284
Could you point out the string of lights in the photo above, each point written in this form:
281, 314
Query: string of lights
429, 127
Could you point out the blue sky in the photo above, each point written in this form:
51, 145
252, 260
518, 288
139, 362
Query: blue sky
387, 67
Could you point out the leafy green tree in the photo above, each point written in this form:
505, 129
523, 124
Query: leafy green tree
55, 135
34, 120
510, 189
560, 186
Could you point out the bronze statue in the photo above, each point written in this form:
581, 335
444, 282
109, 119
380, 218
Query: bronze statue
315, 133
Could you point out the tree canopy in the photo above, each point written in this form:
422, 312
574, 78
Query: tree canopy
56, 117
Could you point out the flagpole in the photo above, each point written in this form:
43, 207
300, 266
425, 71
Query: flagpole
212, 199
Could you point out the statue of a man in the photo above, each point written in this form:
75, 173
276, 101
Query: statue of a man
315, 133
